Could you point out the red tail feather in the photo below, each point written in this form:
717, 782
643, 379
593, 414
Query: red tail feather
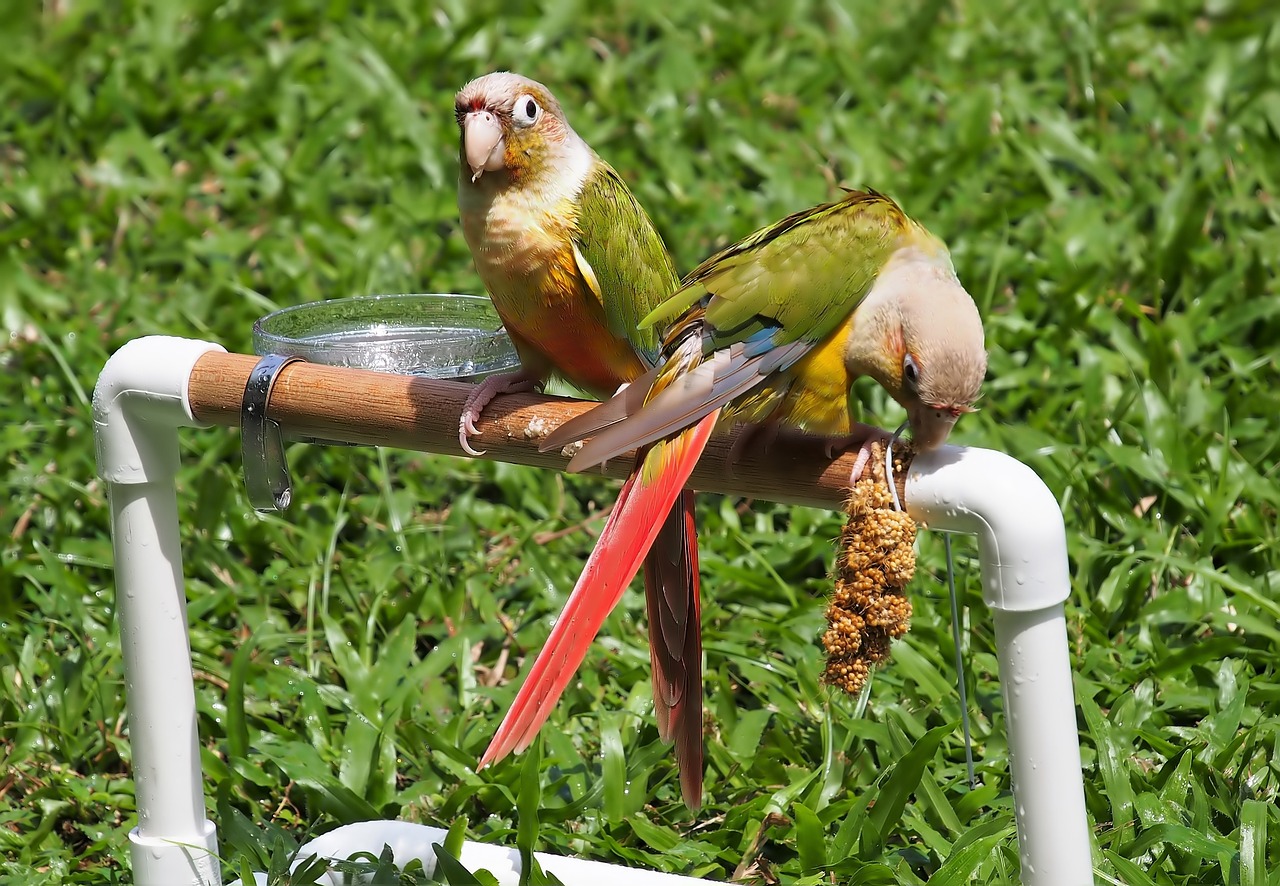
645, 500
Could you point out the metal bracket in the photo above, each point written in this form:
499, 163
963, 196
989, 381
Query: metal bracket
266, 471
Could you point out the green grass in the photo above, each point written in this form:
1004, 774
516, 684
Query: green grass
1108, 177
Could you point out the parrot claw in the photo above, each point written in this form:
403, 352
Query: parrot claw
481, 396
466, 444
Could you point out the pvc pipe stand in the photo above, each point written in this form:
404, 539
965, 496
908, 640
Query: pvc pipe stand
142, 398
139, 403
1022, 546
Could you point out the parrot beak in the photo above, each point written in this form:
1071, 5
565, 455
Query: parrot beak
482, 143
930, 425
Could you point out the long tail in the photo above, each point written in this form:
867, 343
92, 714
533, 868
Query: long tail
638, 516
675, 642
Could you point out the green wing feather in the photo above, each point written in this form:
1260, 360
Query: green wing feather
801, 276
633, 271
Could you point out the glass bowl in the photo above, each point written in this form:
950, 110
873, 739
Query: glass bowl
442, 335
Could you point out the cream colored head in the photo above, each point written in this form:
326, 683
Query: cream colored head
511, 127
919, 335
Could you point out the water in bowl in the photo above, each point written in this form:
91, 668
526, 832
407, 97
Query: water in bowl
435, 336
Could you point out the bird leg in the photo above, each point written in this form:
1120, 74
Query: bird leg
480, 396
863, 435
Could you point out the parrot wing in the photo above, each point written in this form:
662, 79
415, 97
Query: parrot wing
798, 278
622, 257
677, 400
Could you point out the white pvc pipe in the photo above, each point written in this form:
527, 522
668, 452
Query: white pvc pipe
139, 403
410, 841
141, 400
1023, 550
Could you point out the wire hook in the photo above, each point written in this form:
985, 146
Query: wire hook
888, 466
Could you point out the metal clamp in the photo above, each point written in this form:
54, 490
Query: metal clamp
266, 471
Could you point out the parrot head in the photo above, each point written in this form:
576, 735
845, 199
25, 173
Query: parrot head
509, 125
925, 335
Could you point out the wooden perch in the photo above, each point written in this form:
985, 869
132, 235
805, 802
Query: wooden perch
410, 412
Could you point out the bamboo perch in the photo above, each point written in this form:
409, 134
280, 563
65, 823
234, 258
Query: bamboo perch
410, 412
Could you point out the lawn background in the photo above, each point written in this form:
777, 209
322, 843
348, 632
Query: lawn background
1108, 178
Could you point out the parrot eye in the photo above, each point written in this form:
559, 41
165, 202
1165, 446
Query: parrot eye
526, 111
910, 373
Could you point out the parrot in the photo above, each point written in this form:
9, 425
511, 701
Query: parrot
572, 264
774, 330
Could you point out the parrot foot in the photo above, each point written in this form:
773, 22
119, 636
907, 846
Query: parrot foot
480, 397
863, 436
864, 453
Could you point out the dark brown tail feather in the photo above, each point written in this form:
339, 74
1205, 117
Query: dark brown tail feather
671, 585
